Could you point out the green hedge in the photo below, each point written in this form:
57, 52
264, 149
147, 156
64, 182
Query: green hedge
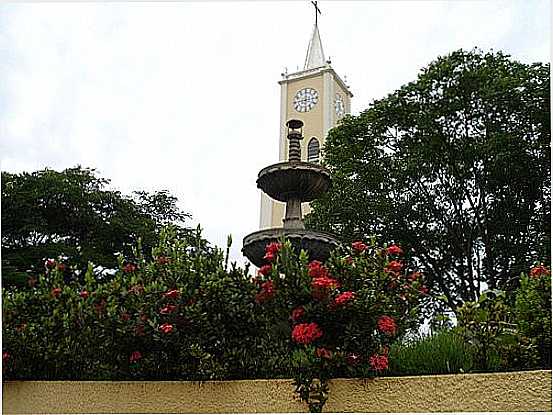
187, 315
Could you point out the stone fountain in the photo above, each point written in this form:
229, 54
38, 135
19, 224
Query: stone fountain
292, 182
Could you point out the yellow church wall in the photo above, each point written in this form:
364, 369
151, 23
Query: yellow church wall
489, 392
312, 120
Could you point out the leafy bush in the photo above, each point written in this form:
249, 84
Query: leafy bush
533, 311
185, 315
180, 316
442, 353
486, 325
506, 337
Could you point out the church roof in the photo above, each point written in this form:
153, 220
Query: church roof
315, 56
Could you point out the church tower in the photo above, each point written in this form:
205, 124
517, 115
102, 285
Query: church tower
317, 96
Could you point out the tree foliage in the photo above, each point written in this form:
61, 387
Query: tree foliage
45, 213
454, 166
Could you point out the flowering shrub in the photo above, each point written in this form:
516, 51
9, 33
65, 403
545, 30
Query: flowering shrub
184, 315
343, 315
533, 311
179, 316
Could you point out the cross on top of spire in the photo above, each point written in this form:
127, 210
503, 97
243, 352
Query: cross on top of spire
317, 11
315, 56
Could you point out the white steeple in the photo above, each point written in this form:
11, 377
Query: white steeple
315, 56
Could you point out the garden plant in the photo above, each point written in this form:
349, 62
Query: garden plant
187, 315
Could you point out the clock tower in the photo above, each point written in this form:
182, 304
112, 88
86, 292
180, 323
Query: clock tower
317, 96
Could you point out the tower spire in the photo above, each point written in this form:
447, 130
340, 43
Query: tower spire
315, 56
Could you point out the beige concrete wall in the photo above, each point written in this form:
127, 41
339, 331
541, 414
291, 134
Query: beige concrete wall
505, 392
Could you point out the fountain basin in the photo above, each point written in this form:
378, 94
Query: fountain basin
318, 245
294, 180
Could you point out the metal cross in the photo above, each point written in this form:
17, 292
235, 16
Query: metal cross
316, 11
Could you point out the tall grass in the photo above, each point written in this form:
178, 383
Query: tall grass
441, 353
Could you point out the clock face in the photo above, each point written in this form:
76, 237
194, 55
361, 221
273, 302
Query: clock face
305, 99
339, 106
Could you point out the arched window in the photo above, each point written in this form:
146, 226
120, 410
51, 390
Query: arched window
313, 150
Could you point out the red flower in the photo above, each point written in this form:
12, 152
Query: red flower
394, 266
414, 276
130, 267
100, 306
172, 294
139, 330
125, 316
265, 269
56, 292
168, 309
344, 298
317, 270
423, 289
166, 328
306, 333
61, 267
379, 362
323, 353
267, 292
162, 260
271, 251
320, 286
137, 289
298, 313
83, 294
358, 246
5, 357
387, 325
538, 271
325, 282
135, 357
50, 263
394, 250
353, 359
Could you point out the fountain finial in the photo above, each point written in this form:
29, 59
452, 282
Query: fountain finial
295, 135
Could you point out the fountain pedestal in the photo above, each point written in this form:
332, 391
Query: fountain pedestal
292, 182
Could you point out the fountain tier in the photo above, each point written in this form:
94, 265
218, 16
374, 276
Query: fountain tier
294, 180
318, 245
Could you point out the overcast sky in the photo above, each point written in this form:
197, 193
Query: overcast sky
184, 96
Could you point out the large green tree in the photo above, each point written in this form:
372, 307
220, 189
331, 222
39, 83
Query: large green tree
47, 213
454, 166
